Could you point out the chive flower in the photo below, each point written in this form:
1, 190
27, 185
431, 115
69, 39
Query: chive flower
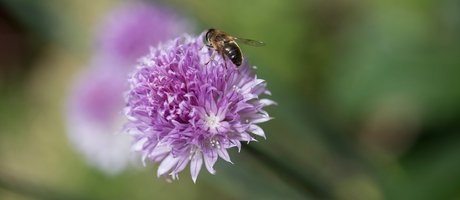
182, 111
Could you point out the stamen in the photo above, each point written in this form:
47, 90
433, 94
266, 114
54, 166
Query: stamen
236, 88
212, 121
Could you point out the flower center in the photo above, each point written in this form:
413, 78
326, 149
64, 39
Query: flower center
211, 121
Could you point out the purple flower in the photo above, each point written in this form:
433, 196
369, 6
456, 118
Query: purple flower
93, 119
181, 110
127, 32
94, 103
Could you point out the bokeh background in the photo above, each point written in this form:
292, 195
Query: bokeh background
368, 99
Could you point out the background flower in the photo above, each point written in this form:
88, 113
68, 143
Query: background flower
96, 99
182, 110
93, 119
127, 32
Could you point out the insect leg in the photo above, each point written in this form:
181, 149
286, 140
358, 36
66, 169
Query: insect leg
211, 57
202, 47
225, 61
207, 45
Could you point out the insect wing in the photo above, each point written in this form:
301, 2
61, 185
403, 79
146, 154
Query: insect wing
249, 42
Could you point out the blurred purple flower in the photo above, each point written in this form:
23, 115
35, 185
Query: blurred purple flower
181, 110
96, 98
93, 119
128, 31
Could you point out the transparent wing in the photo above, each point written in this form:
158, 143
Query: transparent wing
249, 42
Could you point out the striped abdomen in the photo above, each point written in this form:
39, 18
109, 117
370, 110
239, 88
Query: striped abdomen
233, 52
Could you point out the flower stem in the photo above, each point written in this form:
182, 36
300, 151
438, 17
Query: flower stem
305, 185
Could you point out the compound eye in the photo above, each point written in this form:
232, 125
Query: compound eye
208, 34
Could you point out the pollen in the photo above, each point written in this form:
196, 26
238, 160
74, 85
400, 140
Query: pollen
211, 121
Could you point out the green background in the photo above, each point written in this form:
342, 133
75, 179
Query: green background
368, 101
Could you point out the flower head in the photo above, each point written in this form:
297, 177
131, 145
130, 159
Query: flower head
93, 119
127, 32
182, 110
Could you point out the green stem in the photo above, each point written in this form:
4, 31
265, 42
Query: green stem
303, 184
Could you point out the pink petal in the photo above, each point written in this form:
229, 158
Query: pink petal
167, 164
256, 130
224, 154
210, 159
195, 165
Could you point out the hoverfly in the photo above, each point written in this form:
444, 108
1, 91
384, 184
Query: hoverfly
225, 45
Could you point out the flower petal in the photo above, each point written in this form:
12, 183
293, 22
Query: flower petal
224, 154
195, 165
158, 153
181, 164
210, 159
256, 130
167, 164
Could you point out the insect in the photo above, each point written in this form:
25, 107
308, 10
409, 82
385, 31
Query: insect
225, 45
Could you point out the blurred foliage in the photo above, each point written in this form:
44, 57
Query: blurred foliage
367, 92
